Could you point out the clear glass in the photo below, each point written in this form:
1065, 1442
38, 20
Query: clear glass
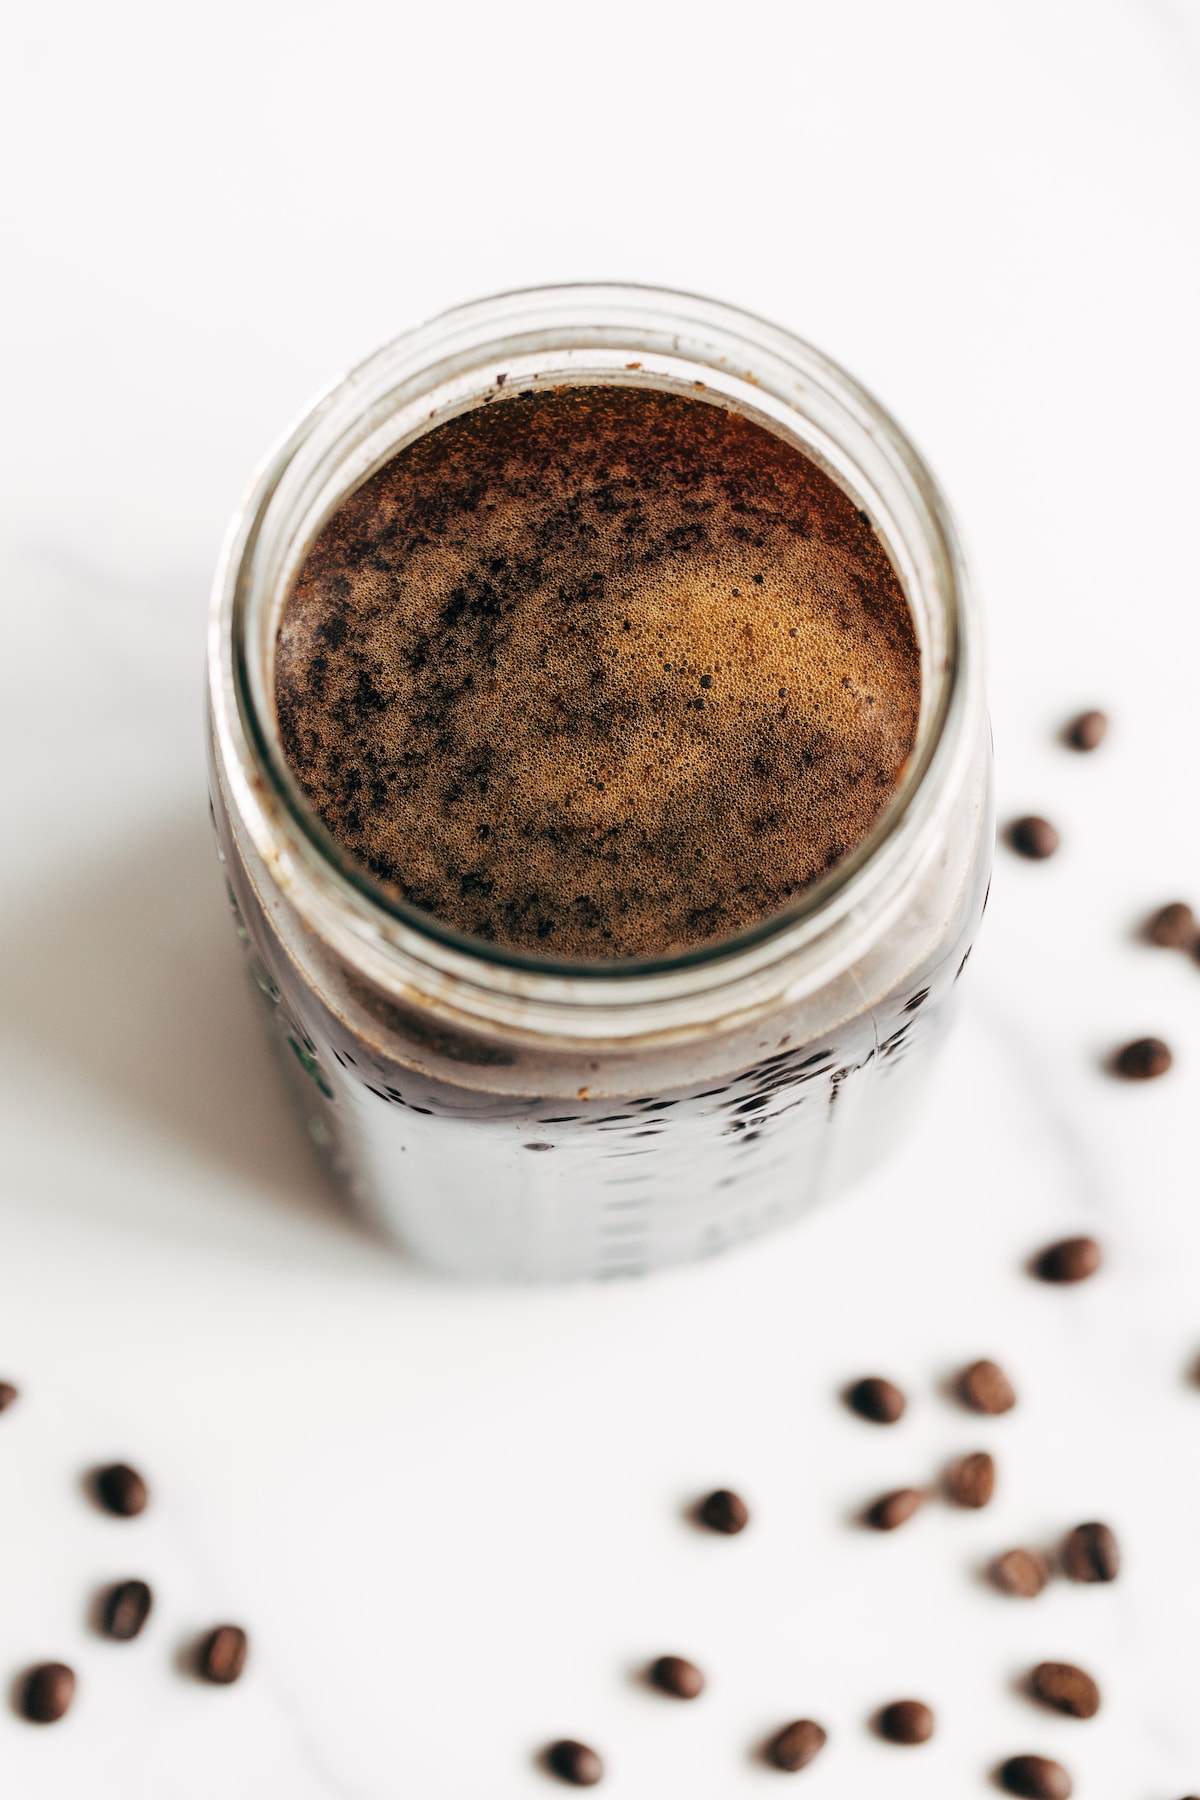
507, 1115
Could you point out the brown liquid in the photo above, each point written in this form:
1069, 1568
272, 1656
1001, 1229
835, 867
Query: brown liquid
598, 672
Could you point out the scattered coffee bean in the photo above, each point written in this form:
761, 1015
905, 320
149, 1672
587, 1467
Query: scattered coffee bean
1174, 927
574, 1762
894, 1509
1023, 1573
1033, 837
724, 1511
1067, 1689
795, 1746
971, 1480
876, 1399
222, 1654
1087, 731
1036, 1778
1145, 1059
47, 1693
125, 1610
677, 1676
1073, 1259
906, 1722
8, 1393
1091, 1554
985, 1388
121, 1490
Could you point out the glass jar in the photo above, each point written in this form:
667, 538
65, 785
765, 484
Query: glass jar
503, 1115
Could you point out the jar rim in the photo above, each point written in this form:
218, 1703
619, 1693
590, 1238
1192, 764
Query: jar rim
752, 363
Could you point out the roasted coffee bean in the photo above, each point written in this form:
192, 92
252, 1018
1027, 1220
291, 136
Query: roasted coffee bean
677, 1676
121, 1490
1033, 837
971, 1480
1091, 1554
906, 1722
1023, 1573
985, 1388
1067, 1689
1087, 731
893, 1509
47, 1692
8, 1393
574, 1762
1174, 926
795, 1746
876, 1399
222, 1654
1036, 1778
1145, 1059
1073, 1259
724, 1511
125, 1610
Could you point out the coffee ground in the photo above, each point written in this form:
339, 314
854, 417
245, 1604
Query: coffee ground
598, 672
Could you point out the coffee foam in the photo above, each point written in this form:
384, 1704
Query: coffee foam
598, 672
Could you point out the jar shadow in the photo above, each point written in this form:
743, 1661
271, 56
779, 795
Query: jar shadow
125, 977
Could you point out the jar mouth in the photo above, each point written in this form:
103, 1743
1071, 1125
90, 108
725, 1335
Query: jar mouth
585, 334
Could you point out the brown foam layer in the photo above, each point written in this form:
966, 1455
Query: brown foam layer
600, 672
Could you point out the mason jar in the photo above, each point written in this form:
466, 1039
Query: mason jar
504, 1115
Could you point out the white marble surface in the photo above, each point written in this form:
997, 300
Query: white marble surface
450, 1519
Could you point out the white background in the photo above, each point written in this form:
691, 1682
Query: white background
451, 1519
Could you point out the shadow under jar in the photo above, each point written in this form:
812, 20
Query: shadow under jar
504, 1114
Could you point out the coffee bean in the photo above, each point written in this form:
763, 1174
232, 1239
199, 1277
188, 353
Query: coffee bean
1067, 1689
893, 1509
8, 1393
1173, 927
724, 1511
1037, 1778
1023, 1573
1091, 1554
971, 1480
1145, 1059
222, 1654
985, 1388
876, 1399
574, 1763
677, 1676
795, 1746
1087, 731
906, 1722
125, 1610
1033, 837
1073, 1259
47, 1692
121, 1490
